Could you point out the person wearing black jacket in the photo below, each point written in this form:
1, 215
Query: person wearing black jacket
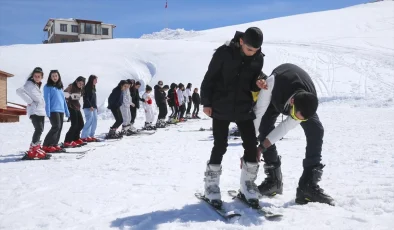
196, 102
90, 110
226, 96
115, 100
161, 102
291, 92
135, 98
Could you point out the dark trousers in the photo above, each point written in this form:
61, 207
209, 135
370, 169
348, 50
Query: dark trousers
76, 127
118, 118
38, 123
53, 135
176, 114
196, 109
162, 111
220, 136
182, 109
189, 106
172, 111
133, 112
313, 130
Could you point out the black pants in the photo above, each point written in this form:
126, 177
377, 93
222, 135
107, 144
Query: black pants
172, 111
189, 106
38, 123
220, 135
313, 130
133, 112
162, 110
118, 118
182, 109
176, 114
53, 135
76, 127
196, 109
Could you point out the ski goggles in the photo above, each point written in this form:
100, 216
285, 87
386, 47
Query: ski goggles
293, 114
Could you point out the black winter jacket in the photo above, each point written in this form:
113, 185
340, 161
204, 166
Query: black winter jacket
196, 98
289, 79
90, 99
160, 95
135, 97
228, 83
115, 99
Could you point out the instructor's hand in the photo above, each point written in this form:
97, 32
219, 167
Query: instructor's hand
262, 84
208, 111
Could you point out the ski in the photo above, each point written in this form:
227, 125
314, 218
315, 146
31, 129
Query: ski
227, 215
260, 210
196, 130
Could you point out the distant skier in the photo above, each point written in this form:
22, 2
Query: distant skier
55, 108
90, 110
291, 92
73, 93
226, 95
196, 103
188, 94
127, 103
115, 101
135, 97
32, 95
173, 103
148, 106
161, 102
181, 101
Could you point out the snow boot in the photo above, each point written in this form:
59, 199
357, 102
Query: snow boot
272, 184
211, 186
248, 187
308, 190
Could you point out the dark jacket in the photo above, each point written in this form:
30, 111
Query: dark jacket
172, 97
160, 95
289, 79
196, 98
228, 83
115, 99
135, 97
89, 98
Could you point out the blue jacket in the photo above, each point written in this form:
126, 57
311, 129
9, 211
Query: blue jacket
55, 101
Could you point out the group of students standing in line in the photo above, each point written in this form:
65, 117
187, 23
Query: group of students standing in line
124, 101
56, 102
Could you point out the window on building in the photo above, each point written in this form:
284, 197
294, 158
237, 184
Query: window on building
63, 27
105, 31
88, 28
74, 28
63, 40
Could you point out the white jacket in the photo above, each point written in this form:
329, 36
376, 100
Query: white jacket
181, 97
34, 98
127, 102
188, 93
146, 97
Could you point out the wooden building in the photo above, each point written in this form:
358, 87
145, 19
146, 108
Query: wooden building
9, 112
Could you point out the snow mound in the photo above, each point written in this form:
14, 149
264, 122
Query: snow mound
170, 34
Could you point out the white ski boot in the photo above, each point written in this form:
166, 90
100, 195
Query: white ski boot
248, 187
211, 187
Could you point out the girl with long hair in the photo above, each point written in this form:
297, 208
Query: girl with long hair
90, 110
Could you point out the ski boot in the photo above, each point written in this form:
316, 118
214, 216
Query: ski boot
113, 135
249, 189
35, 152
211, 186
308, 190
272, 184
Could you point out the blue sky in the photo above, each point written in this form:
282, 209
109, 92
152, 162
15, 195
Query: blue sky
22, 21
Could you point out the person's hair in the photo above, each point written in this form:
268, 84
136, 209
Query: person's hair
148, 88
195, 89
58, 84
138, 83
189, 85
36, 70
90, 87
160, 83
306, 103
166, 87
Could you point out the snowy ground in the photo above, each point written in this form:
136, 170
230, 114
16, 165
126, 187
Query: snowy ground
149, 182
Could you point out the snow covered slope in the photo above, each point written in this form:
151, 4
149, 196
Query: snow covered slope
148, 182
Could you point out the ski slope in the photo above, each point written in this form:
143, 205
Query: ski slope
149, 182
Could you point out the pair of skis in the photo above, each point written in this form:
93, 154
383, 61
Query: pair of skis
228, 215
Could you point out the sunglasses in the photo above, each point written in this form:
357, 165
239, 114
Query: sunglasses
293, 115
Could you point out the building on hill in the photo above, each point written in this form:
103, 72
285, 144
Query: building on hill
77, 30
9, 112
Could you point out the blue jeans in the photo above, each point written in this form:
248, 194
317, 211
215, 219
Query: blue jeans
90, 124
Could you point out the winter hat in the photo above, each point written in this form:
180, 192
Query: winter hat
148, 88
253, 36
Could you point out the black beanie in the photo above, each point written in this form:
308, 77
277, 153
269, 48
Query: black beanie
253, 36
